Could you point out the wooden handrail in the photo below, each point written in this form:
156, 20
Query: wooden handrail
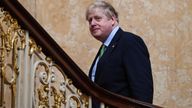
51, 49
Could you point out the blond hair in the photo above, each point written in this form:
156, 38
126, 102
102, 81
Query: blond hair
108, 9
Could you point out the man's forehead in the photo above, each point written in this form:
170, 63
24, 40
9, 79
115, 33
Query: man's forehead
96, 11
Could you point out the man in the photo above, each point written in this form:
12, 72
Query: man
124, 66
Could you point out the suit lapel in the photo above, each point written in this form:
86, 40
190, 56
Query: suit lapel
90, 71
112, 45
114, 42
108, 52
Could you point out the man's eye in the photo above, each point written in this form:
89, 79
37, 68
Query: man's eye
89, 20
98, 18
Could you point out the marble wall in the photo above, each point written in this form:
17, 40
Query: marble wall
165, 26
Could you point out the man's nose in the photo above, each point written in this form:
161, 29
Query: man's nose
92, 22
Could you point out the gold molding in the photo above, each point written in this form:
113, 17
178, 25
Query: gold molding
11, 40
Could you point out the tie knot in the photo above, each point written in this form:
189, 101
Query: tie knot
103, 48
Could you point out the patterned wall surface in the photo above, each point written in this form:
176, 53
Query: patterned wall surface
165, 26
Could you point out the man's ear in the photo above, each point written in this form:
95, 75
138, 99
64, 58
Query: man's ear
114, 20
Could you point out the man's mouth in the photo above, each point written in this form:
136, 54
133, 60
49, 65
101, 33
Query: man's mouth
94, 29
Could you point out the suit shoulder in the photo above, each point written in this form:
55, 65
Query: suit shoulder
129, 37
134, 41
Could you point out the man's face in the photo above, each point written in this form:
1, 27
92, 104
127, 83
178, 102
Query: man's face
100, 25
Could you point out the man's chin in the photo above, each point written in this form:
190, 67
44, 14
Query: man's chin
98, 38
96, 35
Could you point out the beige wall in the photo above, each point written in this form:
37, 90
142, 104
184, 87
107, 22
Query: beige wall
165, 26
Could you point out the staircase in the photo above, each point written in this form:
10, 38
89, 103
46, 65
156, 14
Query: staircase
35, 72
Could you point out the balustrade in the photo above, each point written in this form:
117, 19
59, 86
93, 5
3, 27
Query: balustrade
28, 77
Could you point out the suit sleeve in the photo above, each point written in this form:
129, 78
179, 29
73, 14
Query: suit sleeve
138, 69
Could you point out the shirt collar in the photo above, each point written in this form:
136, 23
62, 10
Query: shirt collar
110, 37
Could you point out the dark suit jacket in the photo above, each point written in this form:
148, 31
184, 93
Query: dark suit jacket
125, 68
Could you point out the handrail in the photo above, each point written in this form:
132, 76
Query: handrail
51, 49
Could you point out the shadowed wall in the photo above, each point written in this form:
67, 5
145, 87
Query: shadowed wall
165, 26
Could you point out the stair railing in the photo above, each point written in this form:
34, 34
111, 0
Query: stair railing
36, 72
